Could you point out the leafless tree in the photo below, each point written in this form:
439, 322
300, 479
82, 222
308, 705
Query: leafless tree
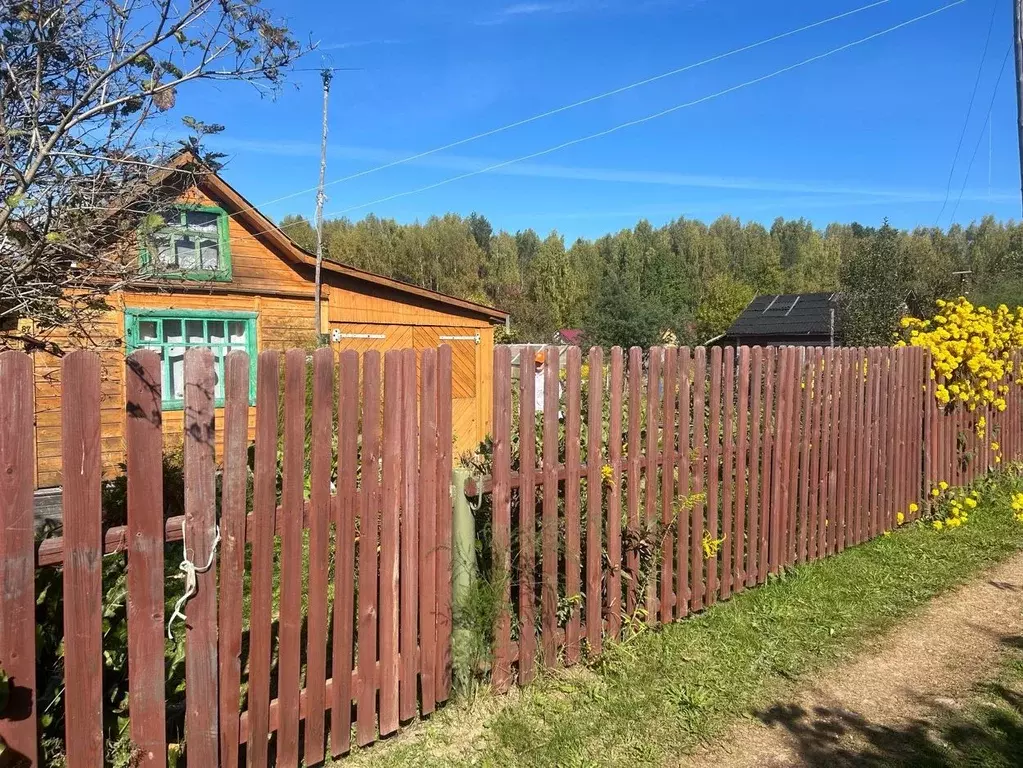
85, 86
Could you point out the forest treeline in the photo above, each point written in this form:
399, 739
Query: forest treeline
686, 277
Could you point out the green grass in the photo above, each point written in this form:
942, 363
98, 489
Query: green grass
661, 694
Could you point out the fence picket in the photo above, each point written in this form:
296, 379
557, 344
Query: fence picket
232, 557
573, 478
390, 530
614, 498
344, 555
779, 473
201, 720
632, 458
698, 472
445, 436
741, 466
428, 529
319, 532
527, 515
792, 479
714, 470
18, 730
804, 459
767, 458
860, 444
289, 664
834, 435
727, 473
846, 434
549, 563
667, 458
408, 684
143, 438
756, 429
594, 497
502, 515
685, 377
369, 538
816, 450
264, 512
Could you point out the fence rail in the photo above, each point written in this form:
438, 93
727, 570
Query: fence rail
328, 594
732, 465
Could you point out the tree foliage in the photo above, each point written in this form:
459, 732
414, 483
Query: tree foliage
84, 87
686, 277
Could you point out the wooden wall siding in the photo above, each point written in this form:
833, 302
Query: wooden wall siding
360, 303
394, 337
464, 355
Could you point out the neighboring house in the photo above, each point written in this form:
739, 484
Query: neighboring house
231, 279
800, 319
569, 337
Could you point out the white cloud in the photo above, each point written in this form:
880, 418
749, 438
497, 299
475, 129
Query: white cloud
828, 190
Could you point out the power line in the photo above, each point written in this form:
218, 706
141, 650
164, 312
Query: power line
969, 111
981, 137
654, 116
582, 102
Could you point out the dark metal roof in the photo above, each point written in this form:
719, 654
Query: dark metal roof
789, 314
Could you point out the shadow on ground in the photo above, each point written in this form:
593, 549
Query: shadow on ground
985, 731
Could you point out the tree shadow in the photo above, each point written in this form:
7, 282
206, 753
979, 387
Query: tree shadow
988, 735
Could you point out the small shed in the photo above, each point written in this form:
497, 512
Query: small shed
799, 319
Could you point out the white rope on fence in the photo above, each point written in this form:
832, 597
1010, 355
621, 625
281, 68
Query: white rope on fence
190, 570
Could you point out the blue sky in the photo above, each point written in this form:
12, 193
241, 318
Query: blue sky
859, 135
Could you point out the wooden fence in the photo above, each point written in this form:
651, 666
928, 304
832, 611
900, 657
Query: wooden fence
278, 644
671, 480
646, 489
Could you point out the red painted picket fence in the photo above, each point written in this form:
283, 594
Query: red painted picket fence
381, 647
661, 483
705, 472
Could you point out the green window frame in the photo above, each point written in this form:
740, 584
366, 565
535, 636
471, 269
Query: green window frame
178, 230
171, 332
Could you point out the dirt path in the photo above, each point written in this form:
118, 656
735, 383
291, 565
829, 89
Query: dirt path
882, 703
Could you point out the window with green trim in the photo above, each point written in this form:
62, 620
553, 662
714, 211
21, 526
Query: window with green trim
191, 243
171, 333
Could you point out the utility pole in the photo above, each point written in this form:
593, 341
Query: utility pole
327, 74
1017, 41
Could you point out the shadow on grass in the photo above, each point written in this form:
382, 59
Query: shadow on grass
988, 732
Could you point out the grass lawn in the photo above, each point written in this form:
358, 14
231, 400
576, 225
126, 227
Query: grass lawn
660, 694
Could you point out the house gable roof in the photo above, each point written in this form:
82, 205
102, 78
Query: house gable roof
278, 241
786, 315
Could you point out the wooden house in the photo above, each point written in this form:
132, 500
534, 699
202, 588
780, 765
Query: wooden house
228, 278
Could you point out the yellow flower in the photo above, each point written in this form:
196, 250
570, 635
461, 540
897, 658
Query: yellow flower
995, 447
913, 508
607, 475
935, 492
900, 518
938, 525
711, 546
971, 503
943, 485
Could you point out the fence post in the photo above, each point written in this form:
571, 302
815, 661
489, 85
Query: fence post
463, 563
